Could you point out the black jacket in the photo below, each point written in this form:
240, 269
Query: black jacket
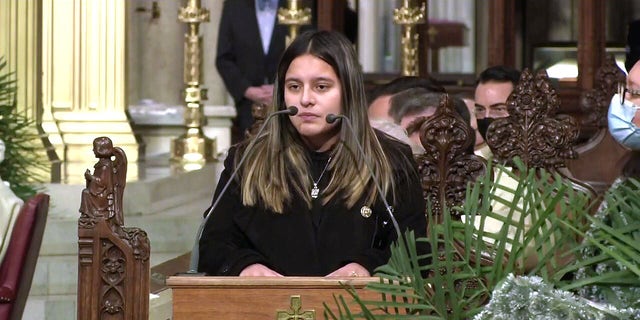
240, 58
310, 242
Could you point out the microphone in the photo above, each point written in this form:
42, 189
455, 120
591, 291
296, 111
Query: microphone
195, 251
331, 118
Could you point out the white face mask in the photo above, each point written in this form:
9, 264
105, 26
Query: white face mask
621, 127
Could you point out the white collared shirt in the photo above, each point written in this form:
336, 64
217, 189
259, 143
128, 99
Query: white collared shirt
266, 21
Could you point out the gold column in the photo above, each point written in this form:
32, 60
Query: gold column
20, 45
84, 88
294, 17
408, 16
193, 148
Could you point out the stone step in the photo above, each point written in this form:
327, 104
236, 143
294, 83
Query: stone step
57, 307
51, 307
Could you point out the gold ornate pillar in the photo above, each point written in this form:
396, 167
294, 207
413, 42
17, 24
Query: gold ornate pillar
193, 148
408, 16
83, 86
20, 45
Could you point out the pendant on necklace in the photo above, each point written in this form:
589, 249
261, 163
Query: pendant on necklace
315, 191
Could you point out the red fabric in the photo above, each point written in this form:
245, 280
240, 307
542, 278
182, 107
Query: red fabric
14, 261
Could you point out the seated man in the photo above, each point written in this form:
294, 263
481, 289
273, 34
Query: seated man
493, 87
470, 103
10, 205
379, 98
379, 106
409, 106
398, 132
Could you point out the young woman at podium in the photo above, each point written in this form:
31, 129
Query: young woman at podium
307, 199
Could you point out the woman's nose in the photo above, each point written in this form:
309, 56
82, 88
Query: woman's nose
306, 98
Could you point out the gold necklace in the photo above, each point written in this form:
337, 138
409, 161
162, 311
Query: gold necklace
315, 190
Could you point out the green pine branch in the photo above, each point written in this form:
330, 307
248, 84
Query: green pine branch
23, 154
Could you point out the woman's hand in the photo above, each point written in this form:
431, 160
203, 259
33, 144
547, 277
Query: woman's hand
350, 270
258, 270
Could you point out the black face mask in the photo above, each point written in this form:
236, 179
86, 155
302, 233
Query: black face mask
483, 126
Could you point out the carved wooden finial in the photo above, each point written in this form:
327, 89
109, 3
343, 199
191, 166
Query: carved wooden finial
447, 165
259, 114
595, 102
531, 131
102, 197
113, 272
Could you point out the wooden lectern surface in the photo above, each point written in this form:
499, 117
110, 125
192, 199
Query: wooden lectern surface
260, 297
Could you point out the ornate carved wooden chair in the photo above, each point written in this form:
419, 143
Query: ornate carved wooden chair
259, 114
446, 168
113, 261
533, 132
601, 148
18, 266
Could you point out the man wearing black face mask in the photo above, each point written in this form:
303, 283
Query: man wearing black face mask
493, 87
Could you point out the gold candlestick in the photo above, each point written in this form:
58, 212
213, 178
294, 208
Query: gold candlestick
294, 17
193, 148
408, 16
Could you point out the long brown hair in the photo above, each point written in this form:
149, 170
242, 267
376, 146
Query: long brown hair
277, 168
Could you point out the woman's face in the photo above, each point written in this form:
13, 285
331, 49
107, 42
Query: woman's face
313, 86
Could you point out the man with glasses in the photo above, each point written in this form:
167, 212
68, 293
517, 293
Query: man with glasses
623, 116
493, 87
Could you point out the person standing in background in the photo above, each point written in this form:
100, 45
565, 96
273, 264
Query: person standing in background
493, 87
250, 42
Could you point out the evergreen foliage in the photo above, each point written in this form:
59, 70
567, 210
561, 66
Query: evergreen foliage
540, 247
23, 152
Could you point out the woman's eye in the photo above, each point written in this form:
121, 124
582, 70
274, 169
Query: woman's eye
293, 87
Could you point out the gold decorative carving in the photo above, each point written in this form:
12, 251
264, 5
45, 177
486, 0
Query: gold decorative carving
408, 16
259, 114
193, 13
193, 149
294, 17
295, 312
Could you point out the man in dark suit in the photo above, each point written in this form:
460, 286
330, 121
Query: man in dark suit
250, 42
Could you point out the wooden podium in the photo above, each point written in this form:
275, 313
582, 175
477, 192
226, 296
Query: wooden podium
229, 298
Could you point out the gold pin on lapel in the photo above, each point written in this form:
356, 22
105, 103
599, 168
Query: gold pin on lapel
366, 211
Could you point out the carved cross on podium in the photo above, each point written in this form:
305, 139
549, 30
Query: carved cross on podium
295, 313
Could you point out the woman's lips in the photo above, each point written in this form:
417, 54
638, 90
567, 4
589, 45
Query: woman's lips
307, 116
